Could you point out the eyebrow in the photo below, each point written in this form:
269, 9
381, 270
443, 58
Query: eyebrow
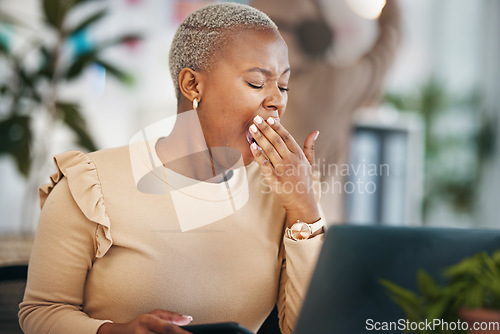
265, 71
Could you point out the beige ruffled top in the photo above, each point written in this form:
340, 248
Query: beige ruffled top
85, 188
105, 251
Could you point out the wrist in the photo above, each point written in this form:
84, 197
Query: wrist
104, 328
107, 328
306, 215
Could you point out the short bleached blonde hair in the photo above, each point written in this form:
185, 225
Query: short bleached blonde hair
204, 32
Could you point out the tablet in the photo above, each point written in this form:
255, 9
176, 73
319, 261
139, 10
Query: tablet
218, 328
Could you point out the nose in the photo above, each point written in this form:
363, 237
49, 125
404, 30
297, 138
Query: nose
275, 101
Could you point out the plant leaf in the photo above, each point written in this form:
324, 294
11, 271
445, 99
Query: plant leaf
28, 83
474, 297
15, 139
87, 22
468, 266
116, 72
54, 12
46, 63
71, 116
439, 309
490, 264
79, 64
3, 47
398, 290
426, 285
85, 59
4, 89
496, 257
79, 2
406, 299
120, 40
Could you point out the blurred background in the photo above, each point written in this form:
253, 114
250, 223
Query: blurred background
89, 74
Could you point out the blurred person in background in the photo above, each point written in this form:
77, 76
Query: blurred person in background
339, 65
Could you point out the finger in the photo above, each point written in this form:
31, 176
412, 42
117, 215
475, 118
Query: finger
175, 318
268, 148
264, 163
286, 137
272, 136
155, 324
309, 146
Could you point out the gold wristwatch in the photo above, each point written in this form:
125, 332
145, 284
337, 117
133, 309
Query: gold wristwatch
303, 231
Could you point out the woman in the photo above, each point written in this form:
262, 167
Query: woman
113, 255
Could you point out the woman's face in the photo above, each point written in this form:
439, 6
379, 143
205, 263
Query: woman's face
249, 78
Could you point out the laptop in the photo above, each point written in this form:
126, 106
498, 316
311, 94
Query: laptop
345, 290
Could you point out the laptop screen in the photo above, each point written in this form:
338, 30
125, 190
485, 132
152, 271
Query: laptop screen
345, 295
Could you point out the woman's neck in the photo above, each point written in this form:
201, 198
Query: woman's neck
186, 152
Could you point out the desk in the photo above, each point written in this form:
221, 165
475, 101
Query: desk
15, 249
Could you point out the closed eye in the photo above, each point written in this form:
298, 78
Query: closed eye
255, 86
283, 89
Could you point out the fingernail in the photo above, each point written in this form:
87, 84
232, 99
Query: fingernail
185, 320
253, 128
316, 136
270, 120
258, 119
254, 146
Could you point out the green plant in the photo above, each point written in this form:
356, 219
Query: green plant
28, 90
472, 283
454, 158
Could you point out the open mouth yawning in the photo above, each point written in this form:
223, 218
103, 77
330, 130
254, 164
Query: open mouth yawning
249, 136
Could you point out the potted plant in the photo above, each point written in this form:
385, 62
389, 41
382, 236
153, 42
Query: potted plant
29, 88
30, 83
471, 295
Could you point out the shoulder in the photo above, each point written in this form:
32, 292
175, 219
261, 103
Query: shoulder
110, 156
69, 162
105, 166
79, 180
80, 167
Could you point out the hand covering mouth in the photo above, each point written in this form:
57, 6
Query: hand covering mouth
249, 136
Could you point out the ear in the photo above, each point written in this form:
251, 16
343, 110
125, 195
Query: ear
191, 84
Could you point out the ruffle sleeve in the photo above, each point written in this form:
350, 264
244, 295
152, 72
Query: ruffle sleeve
85, 187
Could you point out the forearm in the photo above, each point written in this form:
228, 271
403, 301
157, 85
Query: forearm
42, 317
384, 50
391, 15
368, 75
298, 266
110, 328
308, 214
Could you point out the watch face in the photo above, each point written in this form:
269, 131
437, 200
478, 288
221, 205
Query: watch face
300, 231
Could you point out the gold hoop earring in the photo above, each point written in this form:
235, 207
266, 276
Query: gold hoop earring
195, 103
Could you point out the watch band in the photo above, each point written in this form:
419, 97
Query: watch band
316, 226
